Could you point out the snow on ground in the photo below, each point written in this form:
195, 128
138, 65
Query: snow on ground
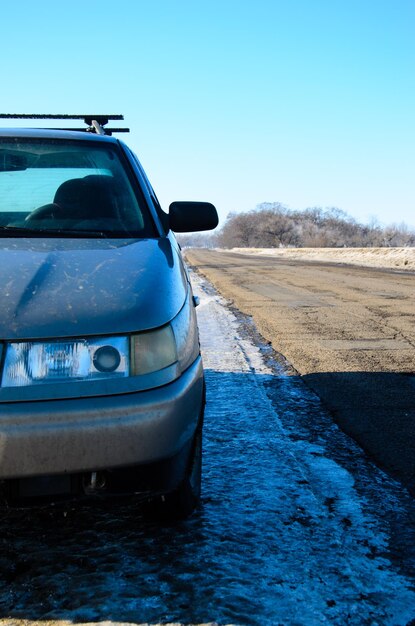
396, 258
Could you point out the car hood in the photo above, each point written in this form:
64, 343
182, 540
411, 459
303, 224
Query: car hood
79, 287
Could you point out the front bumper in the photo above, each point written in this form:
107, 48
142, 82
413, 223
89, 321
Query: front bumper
93, 433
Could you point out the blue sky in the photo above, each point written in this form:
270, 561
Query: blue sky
304, 102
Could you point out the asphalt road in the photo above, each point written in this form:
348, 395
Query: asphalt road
348, 331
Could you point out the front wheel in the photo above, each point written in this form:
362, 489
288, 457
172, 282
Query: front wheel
180, 503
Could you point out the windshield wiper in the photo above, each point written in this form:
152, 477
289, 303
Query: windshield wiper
18, 231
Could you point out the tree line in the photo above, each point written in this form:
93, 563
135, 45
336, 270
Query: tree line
272, 225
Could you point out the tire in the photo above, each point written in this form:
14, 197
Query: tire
180, 503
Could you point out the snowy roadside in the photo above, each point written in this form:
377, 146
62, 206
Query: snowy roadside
391, 258
324, 550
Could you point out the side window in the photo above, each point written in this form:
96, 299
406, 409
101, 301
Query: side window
163, 216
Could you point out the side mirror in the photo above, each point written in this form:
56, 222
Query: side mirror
186, 217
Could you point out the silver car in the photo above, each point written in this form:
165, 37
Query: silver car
101, 378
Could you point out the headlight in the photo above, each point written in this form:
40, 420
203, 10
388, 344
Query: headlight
74, 360
32, 363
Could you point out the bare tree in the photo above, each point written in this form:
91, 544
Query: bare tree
272, 224
398, 235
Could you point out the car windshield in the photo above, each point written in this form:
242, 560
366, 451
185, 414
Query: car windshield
59, 187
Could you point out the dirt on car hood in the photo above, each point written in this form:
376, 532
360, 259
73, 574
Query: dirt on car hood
79, 287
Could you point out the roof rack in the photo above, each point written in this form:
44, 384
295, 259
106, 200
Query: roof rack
94, 123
